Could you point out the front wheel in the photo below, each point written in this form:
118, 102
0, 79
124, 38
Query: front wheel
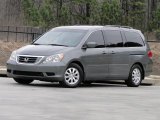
135, 76
72, 76
23, 81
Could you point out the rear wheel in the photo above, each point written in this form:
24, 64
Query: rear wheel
72, 76
135, 76
23, 81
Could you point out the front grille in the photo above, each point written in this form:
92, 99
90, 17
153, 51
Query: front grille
28, 59
27, 73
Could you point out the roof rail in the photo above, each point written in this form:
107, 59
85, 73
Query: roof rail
126, 27
118, 26
112, 26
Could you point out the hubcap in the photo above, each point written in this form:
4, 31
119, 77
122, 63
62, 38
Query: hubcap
72, 76
136, 76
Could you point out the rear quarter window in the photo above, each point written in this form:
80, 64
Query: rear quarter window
133, 39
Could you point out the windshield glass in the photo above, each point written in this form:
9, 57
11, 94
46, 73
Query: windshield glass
61, 37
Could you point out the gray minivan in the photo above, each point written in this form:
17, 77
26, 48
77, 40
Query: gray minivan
72, 55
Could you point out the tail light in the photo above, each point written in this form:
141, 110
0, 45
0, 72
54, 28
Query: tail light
150, 54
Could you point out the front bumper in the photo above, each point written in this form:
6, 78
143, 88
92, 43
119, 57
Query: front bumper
45, 72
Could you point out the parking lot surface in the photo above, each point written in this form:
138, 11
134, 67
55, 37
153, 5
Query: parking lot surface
49, 101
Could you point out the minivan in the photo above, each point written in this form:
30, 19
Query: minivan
72, 55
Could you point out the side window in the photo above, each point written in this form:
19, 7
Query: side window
113, 38
133, 39
98, 38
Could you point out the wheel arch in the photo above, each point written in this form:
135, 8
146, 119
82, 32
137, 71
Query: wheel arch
78, 63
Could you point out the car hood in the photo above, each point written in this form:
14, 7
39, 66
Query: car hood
41, 50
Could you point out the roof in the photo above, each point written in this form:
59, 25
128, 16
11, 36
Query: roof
95, 27
82, 27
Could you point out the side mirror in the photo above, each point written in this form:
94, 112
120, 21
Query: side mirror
89, 45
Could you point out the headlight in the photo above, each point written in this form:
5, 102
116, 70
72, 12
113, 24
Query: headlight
54, 58
13, 56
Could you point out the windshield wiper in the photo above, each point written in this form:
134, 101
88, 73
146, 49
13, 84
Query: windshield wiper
58, 45
50, 44
35, 44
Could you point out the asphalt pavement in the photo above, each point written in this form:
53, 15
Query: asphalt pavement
100, 101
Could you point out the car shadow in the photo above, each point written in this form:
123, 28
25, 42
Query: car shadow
97, 84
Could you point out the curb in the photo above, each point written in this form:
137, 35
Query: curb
3, 70
153, 79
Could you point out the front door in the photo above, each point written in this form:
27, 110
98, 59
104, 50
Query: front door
94, 59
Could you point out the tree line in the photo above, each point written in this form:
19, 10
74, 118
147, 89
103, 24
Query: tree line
140, 14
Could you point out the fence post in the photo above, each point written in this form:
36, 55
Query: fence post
8, 34
27, 34
24, 31
16, 34
32, 36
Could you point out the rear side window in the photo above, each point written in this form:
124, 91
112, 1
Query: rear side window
98, 38
113, 38
133, 39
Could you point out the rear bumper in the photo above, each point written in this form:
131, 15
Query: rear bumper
148, 68
45, 72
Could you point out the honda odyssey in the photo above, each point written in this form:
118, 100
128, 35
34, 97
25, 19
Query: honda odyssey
72, 55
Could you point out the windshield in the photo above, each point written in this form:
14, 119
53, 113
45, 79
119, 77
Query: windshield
61, 37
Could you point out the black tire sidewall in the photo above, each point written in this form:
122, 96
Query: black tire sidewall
23, 81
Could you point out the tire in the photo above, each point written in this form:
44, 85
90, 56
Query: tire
135, 76
23, 81
73, 76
